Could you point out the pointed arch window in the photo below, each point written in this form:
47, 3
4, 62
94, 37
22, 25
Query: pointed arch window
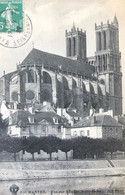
104, 40
32, 78
100, 47
69, 46
47, 78
74, 46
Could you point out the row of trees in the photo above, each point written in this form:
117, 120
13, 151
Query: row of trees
82, 147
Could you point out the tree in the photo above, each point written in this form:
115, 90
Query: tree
13, 145
111, 145
51, 144
24, 146
32, 145
80, 147
42, 142
66, 146
97, 147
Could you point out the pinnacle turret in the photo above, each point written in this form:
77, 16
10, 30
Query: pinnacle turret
115, 21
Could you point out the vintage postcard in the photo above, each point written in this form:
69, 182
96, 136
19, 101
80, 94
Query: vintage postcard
62, 97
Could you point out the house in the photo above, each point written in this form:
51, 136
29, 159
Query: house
45, 122
121, 120
98, 126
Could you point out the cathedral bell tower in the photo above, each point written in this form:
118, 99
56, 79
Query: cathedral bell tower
76, 44
107, 64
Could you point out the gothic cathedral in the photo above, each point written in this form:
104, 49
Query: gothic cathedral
74, 81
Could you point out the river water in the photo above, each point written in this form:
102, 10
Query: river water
72, 186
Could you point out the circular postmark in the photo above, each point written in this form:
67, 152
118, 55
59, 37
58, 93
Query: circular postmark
17, 39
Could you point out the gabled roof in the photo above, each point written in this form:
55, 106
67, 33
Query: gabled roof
21, 118
44, 121
100, 120
39, 116
54, 61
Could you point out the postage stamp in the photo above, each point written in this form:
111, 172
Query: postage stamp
11, 16
15, 39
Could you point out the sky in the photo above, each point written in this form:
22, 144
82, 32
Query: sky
50, 19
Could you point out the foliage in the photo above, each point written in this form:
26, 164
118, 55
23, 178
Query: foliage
32, 145
113, 145
12, 145
65, 146
83, 147
51, 145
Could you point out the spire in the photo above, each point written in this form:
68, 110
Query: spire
73, 28
115, 21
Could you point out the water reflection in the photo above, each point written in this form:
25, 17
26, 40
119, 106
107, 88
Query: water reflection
72, 186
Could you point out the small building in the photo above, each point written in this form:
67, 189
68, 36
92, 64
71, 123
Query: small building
34, 120
23, 123
37, 120
98, 126
121, 120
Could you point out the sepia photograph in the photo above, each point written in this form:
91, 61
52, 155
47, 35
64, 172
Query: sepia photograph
62, 97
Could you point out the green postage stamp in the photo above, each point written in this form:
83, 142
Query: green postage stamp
11, 16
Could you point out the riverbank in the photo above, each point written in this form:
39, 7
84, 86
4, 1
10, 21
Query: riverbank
60, 169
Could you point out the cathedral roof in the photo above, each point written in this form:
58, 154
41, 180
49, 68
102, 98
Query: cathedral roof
56, 62
99, 120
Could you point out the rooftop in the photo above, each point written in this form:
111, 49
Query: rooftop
56, 62
99, 120
21, 117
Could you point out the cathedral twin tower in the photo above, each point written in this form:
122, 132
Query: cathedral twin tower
76, 44
106, 60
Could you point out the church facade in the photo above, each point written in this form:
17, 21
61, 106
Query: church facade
76, 79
